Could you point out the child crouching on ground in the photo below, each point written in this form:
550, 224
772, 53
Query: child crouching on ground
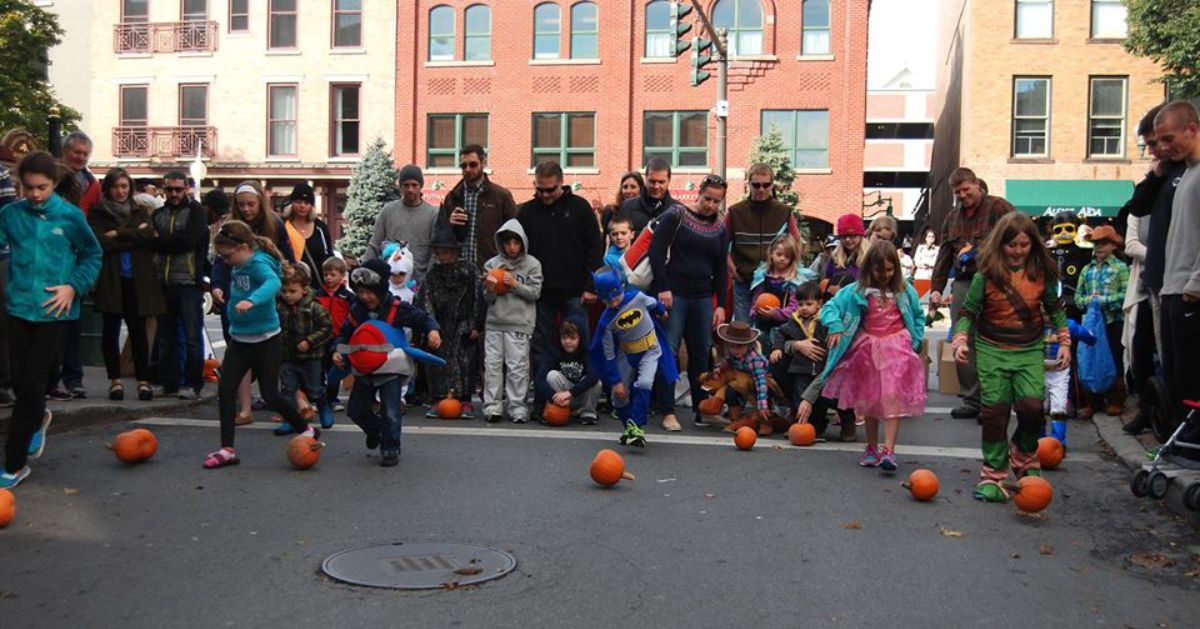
742, 355
566, 377
372, 341
306, 330
511, 314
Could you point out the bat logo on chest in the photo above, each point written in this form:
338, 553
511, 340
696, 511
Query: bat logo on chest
629, 319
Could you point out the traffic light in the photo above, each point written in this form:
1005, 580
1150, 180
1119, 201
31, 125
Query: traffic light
701, 55
679, 28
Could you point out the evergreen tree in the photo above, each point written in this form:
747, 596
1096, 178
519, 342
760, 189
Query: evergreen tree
373, 182
769, 149
27, 33
1168, 31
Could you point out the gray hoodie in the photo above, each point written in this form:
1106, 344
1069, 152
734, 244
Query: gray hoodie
516, 310
1182, 273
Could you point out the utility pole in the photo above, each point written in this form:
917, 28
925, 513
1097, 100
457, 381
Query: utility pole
722, 106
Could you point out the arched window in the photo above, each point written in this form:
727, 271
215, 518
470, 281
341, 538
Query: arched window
478, 33
585, 31
658, 29
815, 24
547, 27
744, 20
441, 33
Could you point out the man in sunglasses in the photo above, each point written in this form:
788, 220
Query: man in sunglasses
182, 245
753, 223
476, 208
561, 228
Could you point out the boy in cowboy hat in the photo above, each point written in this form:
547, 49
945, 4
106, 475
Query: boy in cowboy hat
450, 293
1105, 280
627, 351
742, 355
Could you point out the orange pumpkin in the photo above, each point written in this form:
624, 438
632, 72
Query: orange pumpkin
127, 446
766, 301
556, 415
608, 468
745, 437
1049, 452
922, 484
802, 434
711, 406
147, 441
499, 274
450, 407
1033, 494
8, 507
210, 369
304, 451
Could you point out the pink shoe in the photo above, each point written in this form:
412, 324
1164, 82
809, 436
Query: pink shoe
870, 457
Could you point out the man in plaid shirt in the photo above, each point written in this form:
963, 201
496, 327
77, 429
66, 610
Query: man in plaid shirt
476, 206
1105, 280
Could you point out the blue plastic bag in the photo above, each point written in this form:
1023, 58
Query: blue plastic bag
1097, 372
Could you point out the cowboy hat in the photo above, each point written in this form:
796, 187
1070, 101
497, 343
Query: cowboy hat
738, 333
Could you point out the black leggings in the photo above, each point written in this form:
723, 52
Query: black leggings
263, 359
34, 350
110, 339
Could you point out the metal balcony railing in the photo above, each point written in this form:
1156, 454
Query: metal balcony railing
160, 142
192, 36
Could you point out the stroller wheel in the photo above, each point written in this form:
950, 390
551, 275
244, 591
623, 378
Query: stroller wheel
1158, 484
1139, 485
1191, 497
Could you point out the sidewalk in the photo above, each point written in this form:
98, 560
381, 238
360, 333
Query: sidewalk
98, 408
1131, 450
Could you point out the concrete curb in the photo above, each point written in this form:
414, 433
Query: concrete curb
78, 414
1133, 454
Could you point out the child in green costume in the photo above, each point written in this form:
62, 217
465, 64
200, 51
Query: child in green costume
1011, 299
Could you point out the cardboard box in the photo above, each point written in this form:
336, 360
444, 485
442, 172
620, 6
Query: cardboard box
947, 371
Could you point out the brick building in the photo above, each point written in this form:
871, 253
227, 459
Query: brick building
595, 86
1040, 98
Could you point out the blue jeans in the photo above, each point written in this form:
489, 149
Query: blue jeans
741, 301
690, 319
549, 307
391, 399
184, 308
303, 375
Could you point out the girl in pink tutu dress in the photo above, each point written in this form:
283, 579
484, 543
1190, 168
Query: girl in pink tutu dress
875, 329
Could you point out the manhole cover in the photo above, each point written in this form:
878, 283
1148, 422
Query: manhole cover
418, 566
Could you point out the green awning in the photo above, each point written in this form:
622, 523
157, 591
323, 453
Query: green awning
1046, 197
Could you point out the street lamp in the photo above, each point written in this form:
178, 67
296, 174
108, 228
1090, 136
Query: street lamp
878, 201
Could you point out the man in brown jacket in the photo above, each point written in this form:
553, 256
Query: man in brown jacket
963, 233
475, 208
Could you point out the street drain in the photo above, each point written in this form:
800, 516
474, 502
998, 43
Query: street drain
419, 565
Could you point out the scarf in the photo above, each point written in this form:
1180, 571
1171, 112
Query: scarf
119, 211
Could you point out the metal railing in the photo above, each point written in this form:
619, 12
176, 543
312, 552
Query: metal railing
192, 36
162, 142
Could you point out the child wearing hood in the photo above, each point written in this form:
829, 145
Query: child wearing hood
511, 287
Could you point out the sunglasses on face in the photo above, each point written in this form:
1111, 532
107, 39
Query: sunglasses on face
548, 190
175, 189
466, 165
761, 185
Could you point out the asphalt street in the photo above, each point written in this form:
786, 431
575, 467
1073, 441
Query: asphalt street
707, 536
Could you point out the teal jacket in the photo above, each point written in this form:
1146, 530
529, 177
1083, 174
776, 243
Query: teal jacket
843, 315
51, 245
256, 281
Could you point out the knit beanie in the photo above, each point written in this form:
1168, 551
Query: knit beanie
411, 172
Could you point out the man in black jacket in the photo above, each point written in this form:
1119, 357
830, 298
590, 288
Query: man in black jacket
654, 200
182, 244
564, 237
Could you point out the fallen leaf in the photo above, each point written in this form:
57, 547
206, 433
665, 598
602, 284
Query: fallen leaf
70, 491
1046, 549
854, 526
468, 571
1151, 560
1016, 555
952, 533
667, 480
450, 585
1192, 573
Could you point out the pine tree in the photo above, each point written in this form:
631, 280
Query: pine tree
373, 181
769, 149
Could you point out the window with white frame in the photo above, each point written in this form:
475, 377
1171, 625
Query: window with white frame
1106, 117
281, 120
347, 23
193, 10
1035, 19
134, 106
659, 36
441, 33
282, 21
585, 31
1031, 117
239, 16
345, 119
478, 33
547, 28
193, 105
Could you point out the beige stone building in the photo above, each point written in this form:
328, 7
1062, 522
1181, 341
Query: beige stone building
279, 91
1040, 98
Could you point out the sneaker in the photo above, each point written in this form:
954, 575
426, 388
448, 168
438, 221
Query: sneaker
964, 412
189, 394
870, 458
58, 394
587, 420
493, 419
634, 435
887, 460
697, 420
373, 440
37, 443
337, 406
390, 458
78, 392
284, 429
6, 399
8, 480
520, 420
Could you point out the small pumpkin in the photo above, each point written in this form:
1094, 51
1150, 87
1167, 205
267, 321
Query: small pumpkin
745, 437
922, 484
127, 447
147, 441
1033, 494
766, 301
304, 451
711, 406
499, 274
450, 407
8, 507
1050, 452
556, 415
608, 468
802, 434
211, 366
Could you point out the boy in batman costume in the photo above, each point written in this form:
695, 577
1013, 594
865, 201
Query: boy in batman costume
627, 351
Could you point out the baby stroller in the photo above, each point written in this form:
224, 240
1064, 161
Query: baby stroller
1177, 459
